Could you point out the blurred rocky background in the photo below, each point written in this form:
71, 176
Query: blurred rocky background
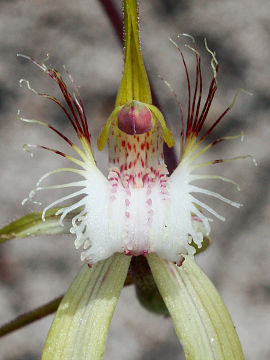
78, 34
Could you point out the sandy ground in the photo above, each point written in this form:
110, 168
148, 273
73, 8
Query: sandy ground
77, 34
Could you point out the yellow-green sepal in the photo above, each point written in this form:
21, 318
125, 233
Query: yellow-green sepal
134, 84
201, 320
79, 329
33, 225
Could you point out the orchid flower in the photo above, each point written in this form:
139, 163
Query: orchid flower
137, 209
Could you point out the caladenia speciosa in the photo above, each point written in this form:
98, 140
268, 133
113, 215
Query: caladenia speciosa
137, 221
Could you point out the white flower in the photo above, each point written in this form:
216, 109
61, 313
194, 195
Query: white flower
138, 208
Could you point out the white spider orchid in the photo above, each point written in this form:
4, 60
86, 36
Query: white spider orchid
138, 209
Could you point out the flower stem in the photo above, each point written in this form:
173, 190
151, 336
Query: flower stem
30, 316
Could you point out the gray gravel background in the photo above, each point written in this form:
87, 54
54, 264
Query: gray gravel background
77, 34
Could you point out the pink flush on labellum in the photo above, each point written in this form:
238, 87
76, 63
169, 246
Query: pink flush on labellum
135, 118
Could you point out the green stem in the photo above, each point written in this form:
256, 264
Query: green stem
30, 317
